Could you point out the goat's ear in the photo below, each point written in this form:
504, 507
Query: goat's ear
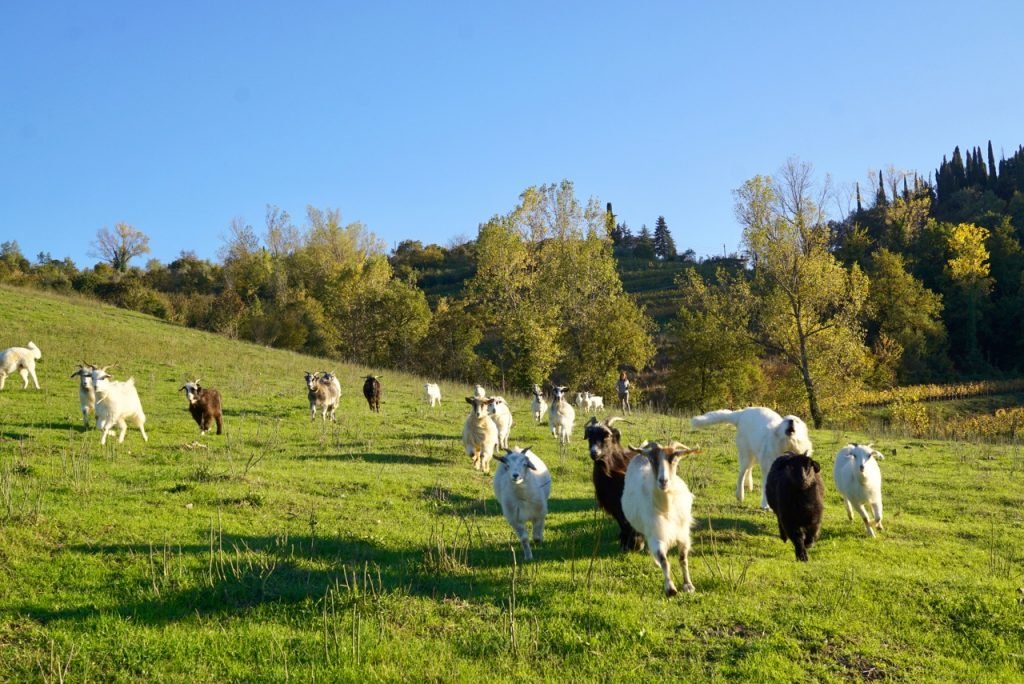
529, 463
502, 459
816, 466
878, 454
489, 402
181, 388
592, 422
469, 400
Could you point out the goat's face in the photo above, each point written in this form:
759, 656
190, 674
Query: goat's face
479, 405
516, 463
311, 381
101, 379
558, 392
665, 460
84, 374
191, 390
862, 456
496, 403
601, 437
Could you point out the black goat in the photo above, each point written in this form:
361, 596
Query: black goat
796, 494
610, 462
203, 404
371, 390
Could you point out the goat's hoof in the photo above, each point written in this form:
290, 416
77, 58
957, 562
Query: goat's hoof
670, 591
688, 588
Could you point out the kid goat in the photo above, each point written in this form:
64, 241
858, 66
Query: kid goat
797, 496
859, 479
522, 485
117, 403
203, 404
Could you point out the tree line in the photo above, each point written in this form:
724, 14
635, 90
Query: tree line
921, 282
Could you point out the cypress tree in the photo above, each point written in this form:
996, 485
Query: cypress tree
880, 198
959, 174
991, 166
859, 208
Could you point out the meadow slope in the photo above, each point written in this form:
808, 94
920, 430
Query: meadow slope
369, 550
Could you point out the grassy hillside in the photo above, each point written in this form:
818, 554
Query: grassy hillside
370, 550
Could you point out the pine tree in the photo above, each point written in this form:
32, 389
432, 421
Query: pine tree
664, 245
644, 248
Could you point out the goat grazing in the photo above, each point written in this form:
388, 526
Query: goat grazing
610, 463
433, 394
658, 504
538, 406
371, 390
479, 433
86, 392
22, 360
797, 496
561, 416
522, 485
204, 405
859, 479
622, 387
761, 436
501, 414
324, 392
117, 403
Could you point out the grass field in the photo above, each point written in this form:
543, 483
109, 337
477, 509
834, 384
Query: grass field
369, 550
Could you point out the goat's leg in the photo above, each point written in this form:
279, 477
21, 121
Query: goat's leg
867, 520
85, 417
524, 539
658, 551
849, 508
140, 423
684, 561
35, 380
218, 419
3, 379
876, 508
23, 372
124, 430
538, 527
798, 544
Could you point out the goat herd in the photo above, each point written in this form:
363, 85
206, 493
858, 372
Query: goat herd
638, 486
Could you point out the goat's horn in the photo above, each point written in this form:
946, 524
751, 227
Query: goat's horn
608, 422
592, 421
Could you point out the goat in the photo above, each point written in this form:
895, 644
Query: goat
20, 359
117, 403
433, 394
324, 392
579, 400
501, 414
371, 390
797, 496
538, 406
204, 405
592, 402
479, 392
761, 436
522, 485
610, 463
561, 415
659, 505
859, 479
86, 392
479, 434
622, 387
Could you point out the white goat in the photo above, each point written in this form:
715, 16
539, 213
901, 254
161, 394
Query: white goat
479, 392
21, 359
592, 402
501, 414
522, 485
658, 504
117, 403
479, 434
323, 392
762, 435
86, 392
561, 416
538, 405
859, 479
433, 394
579, 400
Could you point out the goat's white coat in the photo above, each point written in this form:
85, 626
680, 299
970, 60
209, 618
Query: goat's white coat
538, 406
859, 479
659, 505
760, 437
479, 434
86, 392
22, 360
592, 402
561, 416
117, 403
433, 393
522, 485
501, 414
479, 392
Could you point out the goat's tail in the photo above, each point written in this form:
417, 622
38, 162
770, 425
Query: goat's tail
713, 417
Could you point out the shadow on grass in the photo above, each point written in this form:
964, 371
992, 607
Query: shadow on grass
406, 459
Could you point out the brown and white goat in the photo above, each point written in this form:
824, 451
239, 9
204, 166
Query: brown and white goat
323, 391
203, 404
610, 462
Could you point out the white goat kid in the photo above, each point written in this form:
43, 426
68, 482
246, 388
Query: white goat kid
433, 393
538, 406
659, 505
501, 414
479, 434
762, 435
859, 479
117, 403
22, 360
522, 485
592, 402
479, 392
561, 416
86, 392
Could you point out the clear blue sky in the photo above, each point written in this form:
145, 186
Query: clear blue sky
424, 119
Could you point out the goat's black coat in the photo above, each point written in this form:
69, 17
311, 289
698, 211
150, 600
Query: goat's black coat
610, 462
371, 390
206, 408
795, 492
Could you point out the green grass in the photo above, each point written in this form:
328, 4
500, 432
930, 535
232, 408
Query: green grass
370, 550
